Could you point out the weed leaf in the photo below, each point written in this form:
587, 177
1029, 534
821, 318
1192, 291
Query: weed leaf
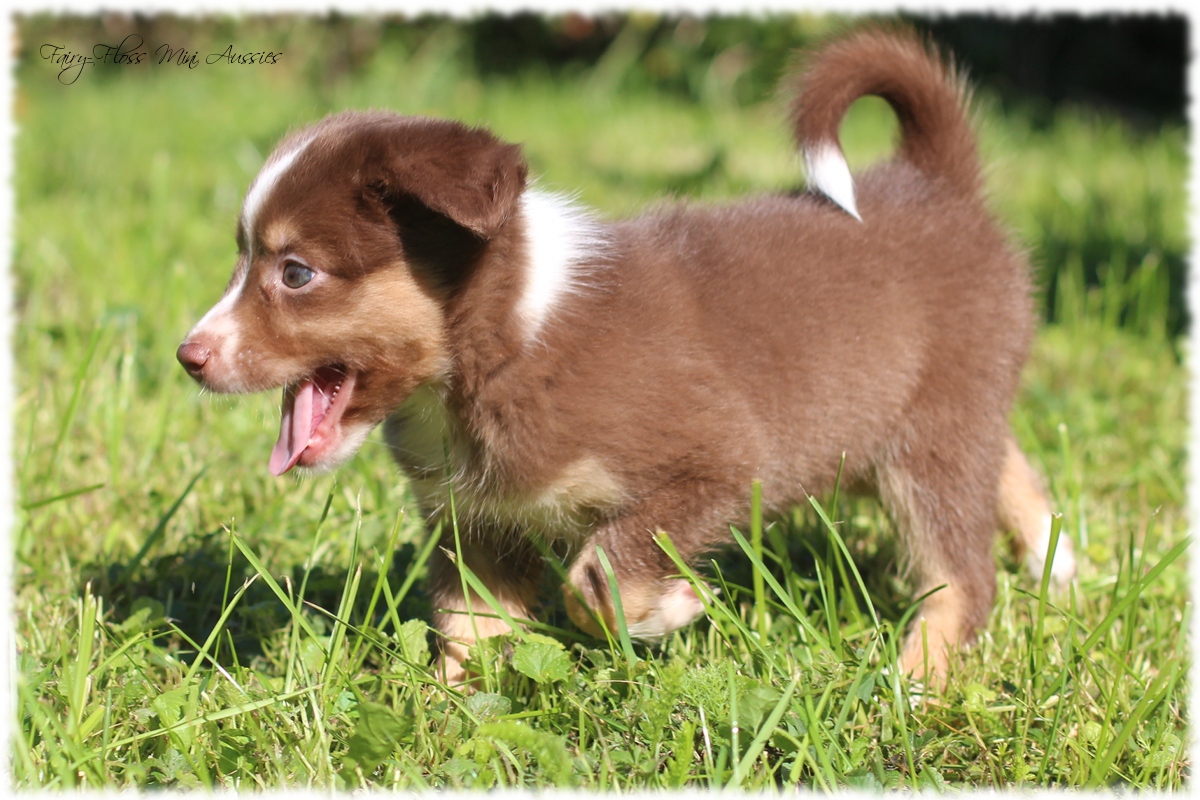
487, 706
413, 641
551, 751
541, 661
379, 732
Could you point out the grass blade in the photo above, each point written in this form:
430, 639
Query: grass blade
64, 496
784, 597
292, 608
618, 608
768, 727
73, 405
756, 542
159, 530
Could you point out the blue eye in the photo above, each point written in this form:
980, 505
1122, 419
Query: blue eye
296, 275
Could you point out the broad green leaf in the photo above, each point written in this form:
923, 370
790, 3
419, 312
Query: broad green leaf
486, 706
414, 642
379, 732
551, 751
541, 662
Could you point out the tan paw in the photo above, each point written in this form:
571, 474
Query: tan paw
652, 608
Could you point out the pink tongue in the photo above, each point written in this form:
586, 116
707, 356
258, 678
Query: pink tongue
295, 428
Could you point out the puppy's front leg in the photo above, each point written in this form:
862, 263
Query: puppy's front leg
653, 601
507, 564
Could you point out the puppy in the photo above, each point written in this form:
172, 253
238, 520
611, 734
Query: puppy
577, 384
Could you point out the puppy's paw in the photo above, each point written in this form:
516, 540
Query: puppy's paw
925, 660
677, 606
653, 608
586, 595
1062, 570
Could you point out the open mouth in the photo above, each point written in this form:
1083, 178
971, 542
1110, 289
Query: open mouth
310, 418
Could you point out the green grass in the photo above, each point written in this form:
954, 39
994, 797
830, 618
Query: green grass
184, 619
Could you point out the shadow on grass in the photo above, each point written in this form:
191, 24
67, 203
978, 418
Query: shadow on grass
191, 588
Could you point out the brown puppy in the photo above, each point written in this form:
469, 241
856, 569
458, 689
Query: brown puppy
588, 383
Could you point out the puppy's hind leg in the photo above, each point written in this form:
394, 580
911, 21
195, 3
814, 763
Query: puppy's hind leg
1022, 508
944, 515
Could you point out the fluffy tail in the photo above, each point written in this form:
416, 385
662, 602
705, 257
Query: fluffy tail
927, 96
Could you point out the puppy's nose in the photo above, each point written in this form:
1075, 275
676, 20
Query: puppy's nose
193, 356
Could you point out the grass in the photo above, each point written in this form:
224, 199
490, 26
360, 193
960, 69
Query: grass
184, 620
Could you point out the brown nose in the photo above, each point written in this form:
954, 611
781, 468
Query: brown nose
193, 356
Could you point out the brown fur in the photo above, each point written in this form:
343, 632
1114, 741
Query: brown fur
711, 347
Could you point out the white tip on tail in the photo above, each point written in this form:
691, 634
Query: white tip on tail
562, 238
829, 174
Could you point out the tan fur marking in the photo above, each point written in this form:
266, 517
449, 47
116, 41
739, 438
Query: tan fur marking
585, 482
938, 628
385, 305
385, 319
1022, 508
638, 601
279, 234
461, 631
462, 623
652, 607
391, 303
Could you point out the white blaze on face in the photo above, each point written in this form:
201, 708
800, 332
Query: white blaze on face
264, 184
829, 174
217, 325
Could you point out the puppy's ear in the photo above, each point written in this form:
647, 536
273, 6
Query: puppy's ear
465, 174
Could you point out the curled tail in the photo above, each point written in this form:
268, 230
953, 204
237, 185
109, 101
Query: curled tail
926, 95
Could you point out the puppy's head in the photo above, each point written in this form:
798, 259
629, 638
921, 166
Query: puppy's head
350, 240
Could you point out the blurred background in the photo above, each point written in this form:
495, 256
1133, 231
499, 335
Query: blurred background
1131, 64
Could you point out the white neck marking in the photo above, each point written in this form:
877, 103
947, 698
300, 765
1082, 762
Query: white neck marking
562, 241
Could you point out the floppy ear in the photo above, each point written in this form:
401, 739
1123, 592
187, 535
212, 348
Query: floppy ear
465, 174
